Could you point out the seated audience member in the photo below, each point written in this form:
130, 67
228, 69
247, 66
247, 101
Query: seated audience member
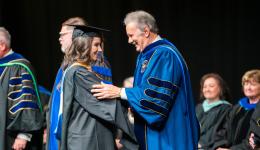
214, 93
234, 127
128, 83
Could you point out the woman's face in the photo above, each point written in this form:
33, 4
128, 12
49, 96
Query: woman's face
251, 89
95, 47
211, 89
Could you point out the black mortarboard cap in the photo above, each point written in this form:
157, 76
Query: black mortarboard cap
91, 31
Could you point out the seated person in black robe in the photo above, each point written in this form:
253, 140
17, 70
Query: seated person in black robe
254, 138
233, 129
213, 92
85, 122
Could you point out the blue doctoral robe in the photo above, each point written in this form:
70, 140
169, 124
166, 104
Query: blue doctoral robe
52, 143
162, 100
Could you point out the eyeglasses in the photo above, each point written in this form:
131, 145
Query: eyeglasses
64, 33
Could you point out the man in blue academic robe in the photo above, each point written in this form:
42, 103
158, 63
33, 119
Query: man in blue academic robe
161, 98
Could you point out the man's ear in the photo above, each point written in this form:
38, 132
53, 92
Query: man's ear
146, 31
2, 46
2, 49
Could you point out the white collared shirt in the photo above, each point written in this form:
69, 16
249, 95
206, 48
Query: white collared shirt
9, 53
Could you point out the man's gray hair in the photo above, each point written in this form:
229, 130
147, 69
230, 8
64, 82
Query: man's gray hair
142, 19
5, 36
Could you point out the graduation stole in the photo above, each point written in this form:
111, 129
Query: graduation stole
33, 78
101, 72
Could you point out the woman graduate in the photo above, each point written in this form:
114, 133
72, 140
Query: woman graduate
85, 122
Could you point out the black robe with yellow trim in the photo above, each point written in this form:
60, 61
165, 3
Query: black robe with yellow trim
19, 108
88, 123
255, 125
254, 128
233, 128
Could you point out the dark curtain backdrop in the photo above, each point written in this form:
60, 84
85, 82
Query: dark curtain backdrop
219, 36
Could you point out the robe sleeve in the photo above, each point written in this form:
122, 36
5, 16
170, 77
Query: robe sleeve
155, 96
255, 125
23, 109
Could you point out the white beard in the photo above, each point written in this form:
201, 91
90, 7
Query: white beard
63, 50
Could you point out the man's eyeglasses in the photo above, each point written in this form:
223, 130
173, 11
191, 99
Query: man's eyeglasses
64, 33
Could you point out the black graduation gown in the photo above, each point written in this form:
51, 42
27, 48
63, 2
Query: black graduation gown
255, 125
208, 121
255, 128
88, 123
19, 107
233, 128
